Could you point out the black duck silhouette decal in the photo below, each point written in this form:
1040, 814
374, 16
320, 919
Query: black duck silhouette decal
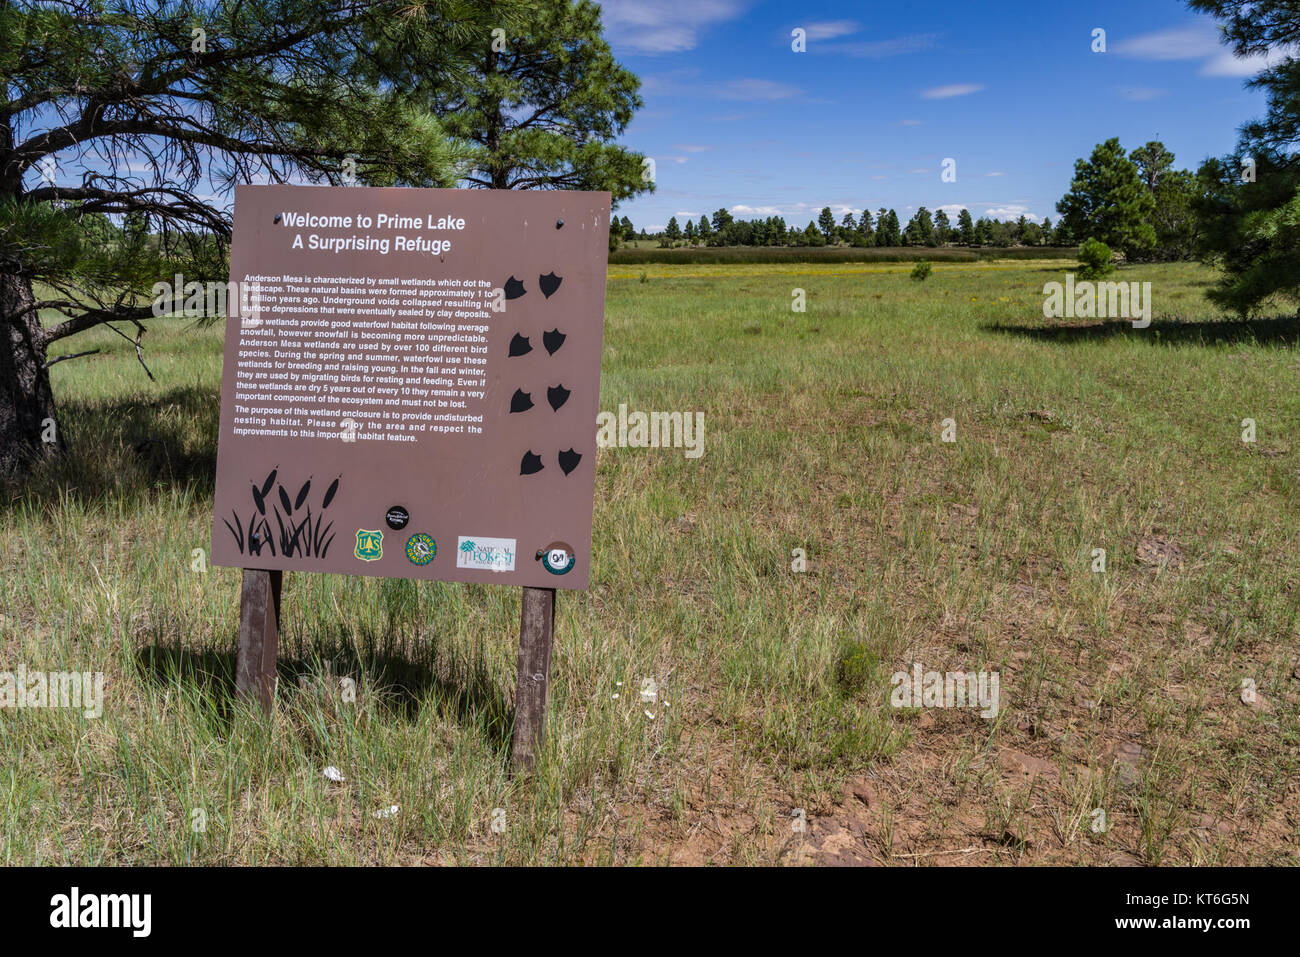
557, 395
569, 460
553, 340
531, 464
520, 346
521, 401
514, 288
549, 283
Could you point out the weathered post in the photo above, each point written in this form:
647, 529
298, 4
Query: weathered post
536, 632
259, 635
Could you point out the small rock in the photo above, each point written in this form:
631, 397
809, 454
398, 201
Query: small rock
1157, 550
1209, 822
864, 792
1026, 765
1129, 755
333, 774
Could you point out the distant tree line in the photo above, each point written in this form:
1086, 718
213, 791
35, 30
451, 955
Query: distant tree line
883, 229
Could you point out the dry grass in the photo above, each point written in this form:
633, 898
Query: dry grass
1120, 691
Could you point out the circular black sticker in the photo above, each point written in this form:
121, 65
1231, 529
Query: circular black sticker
397, 517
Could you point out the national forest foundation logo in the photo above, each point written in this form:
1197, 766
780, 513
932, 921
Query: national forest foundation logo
370, 545
421, 549
490, 554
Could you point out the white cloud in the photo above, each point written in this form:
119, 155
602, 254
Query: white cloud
692, 148
1190, 42
754, 89
1200, 41
670, 83
952, 209
878, 49
996, 172
953, 89
1011, 212
1229, 64
664, 26
830, 29
681, 215
794, 211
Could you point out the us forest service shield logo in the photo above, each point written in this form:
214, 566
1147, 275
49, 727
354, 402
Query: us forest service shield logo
370, 545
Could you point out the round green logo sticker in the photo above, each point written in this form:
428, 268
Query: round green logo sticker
421, 549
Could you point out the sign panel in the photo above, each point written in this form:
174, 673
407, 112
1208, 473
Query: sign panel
411, 383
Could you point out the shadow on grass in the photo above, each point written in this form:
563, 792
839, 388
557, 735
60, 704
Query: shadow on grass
399, 686
128, 447
1280, 330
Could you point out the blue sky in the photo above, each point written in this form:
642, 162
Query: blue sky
1012, 91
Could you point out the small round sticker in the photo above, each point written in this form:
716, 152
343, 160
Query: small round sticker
397, 517
421, 549
557, 558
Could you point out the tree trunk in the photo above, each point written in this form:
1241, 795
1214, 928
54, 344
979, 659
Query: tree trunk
28, 425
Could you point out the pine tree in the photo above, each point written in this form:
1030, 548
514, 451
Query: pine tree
826, 221
865, 230
544, 112
1108, 202
942, 227
966, 227
269, 90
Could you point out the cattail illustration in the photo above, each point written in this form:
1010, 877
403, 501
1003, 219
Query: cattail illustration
305, 538
329, 493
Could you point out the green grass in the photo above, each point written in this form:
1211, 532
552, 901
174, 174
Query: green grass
1120, 691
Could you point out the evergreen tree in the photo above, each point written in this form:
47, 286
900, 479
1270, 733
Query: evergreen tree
942, 227
1108, 201
544, 112
277, 90
966, 228
1174, 195
888, 232
826, 221
865, 229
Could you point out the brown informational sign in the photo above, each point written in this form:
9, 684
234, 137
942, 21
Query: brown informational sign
411, 383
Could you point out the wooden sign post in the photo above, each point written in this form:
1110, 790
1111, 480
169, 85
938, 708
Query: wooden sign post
410, 389
259, 635
259, 639
532, 686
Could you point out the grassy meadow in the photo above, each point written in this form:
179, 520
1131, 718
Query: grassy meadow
1121, 691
